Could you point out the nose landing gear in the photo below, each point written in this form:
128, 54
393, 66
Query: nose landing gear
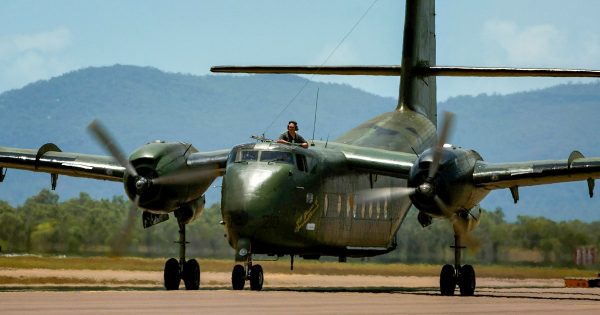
247, 272
252, 273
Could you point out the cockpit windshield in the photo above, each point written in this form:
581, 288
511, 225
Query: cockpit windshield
277, 156
248, 155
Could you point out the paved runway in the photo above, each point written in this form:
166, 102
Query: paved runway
347, 300
37, 291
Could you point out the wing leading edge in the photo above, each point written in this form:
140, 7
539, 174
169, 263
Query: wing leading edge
512, 175
49, 159
377, 161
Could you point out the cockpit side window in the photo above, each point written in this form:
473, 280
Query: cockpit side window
277, 156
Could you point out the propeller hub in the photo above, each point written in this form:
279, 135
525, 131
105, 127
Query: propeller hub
426, 189
142, 184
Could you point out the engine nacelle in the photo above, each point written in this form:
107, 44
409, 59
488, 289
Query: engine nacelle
159, 159
451, 188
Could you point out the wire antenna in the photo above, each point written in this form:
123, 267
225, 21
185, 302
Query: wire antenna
315, 120
324, 62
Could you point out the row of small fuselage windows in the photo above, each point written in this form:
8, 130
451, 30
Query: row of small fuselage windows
349, 205
302, 162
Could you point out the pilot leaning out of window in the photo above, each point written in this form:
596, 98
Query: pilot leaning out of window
291, 136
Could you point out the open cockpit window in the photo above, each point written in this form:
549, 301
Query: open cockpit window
301, 162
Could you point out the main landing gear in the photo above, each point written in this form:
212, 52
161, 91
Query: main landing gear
247, 272
188, 271
463, 276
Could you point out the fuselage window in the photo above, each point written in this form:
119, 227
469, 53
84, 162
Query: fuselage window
348, 205
362, 208
385, 209
339, 205
354, 205
325, 205
277, 156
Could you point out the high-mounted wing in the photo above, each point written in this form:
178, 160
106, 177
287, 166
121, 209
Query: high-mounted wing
50, 159
213, 159
382, 162
512, 175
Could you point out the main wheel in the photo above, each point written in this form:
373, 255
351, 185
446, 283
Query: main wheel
238, 277
256, 278
447, 280
191, 275
171, 274
466, 280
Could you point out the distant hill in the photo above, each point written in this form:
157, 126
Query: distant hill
213, 112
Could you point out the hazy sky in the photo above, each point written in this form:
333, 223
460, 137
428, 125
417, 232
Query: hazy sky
41, 39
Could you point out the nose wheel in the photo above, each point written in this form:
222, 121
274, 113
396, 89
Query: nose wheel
252, 273
463, 276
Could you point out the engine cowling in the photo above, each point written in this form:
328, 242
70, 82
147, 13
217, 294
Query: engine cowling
450, 190
154, 161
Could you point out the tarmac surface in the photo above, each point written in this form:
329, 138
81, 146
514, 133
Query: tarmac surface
297, 294
419, 301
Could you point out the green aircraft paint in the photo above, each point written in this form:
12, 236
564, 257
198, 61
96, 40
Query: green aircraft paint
344, 198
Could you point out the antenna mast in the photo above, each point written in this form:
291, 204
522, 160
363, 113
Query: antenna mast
315, 119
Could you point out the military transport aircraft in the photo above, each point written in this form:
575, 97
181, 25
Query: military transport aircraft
343, 198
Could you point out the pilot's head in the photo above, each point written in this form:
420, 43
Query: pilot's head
292, 125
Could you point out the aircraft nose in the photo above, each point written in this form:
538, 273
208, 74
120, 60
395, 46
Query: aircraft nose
250, 192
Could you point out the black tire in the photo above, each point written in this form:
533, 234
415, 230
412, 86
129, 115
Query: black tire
447, 280
256, 278
466, 280
171, 274
191, 275
238, 277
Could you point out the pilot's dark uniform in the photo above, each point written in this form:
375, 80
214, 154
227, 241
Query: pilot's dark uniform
288, 137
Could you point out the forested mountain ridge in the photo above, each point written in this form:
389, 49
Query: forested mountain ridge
141, 104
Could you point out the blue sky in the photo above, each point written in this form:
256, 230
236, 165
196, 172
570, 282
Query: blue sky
42, 39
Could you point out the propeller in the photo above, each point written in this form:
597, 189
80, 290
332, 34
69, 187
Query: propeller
382, 193
426, 188
426, 184
143, 180
438, 149
121, 242
102, 135
186, 177
107, 141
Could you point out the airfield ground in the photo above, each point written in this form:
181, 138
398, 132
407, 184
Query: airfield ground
80, 286
60, 291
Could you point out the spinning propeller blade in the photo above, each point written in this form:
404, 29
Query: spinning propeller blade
439, 146
102, 135
381, 193
186, 177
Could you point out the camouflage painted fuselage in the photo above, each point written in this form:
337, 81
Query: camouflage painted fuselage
309, 201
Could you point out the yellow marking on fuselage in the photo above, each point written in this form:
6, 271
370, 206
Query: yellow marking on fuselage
308, 214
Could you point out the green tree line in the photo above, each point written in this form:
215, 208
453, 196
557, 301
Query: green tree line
84, 226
